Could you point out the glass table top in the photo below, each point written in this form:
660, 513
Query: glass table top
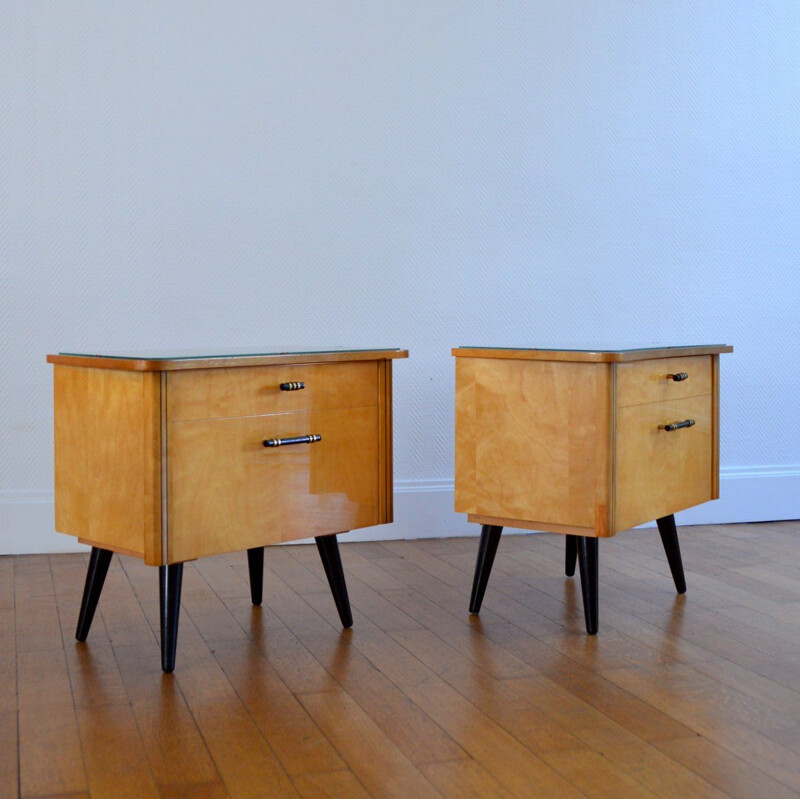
208, 353
584, 347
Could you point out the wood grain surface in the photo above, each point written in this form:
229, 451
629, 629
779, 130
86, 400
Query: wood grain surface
248, 391
660, 472
678, 696
229, 492
649, 381
107, 458
527, 440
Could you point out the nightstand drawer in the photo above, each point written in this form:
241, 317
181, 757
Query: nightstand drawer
658, 471
228, 492
251, 391
650, 382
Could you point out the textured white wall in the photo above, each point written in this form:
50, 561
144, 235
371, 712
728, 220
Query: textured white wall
417, 174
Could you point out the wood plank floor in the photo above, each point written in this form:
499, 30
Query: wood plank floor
687, 696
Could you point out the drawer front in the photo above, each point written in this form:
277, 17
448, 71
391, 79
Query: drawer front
648, 381
228, 492
249, 391
660, 472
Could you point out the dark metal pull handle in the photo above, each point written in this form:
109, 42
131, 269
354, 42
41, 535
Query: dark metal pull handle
679, 376
310, 439
674, 426
292, 386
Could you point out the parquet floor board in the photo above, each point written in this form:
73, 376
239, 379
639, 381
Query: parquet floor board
693, 696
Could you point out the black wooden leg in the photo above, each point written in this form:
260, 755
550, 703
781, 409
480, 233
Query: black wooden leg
170, 579
255, 563
572, 555
329, 553
490, 537
95, 578
669, 537
587, 561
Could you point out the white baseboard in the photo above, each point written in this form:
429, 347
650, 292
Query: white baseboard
424, 509
26, 525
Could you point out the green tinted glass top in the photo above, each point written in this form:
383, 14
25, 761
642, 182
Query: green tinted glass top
583, 347
186, 355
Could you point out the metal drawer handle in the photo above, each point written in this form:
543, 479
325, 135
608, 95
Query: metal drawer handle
292, 386
679, 376
310, 439
674, 426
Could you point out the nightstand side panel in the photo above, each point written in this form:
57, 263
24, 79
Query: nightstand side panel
531, 430
107, 467
715, 427
71, 415
465, 476
385, 446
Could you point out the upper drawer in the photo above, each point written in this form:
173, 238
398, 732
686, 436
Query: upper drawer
252, 391
649, 381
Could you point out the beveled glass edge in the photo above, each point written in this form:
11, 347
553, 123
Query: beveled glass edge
591, 349
240, 354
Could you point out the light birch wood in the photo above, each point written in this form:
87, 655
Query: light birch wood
106, 462
145, 465
248, 391
660, 472
574, 446
648, 381
228, 492
526, 440
715, 427
71, 428
385, 439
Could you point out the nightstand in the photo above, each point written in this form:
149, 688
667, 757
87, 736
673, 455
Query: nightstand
585, 443
173, 457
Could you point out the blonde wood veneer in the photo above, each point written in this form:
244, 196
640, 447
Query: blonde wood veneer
125, 440
648, 381
715, 427
248, 391
107, 466
661, 472
575, 446
228, 492
532, 441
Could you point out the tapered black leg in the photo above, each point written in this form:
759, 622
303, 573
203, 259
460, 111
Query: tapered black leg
255, 563
571, 556
329, 553
587, 561
170, 579
669, 537
490, 538
95, 578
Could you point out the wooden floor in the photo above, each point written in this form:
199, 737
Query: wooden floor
693, 696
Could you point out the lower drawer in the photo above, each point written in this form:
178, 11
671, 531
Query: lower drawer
228, 492
659, 472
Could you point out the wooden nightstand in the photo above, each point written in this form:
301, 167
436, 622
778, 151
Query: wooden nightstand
586, 443
174, 458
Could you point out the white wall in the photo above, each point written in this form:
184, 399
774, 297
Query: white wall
415, 174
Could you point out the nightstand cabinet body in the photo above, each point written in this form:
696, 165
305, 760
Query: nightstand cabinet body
581, 447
